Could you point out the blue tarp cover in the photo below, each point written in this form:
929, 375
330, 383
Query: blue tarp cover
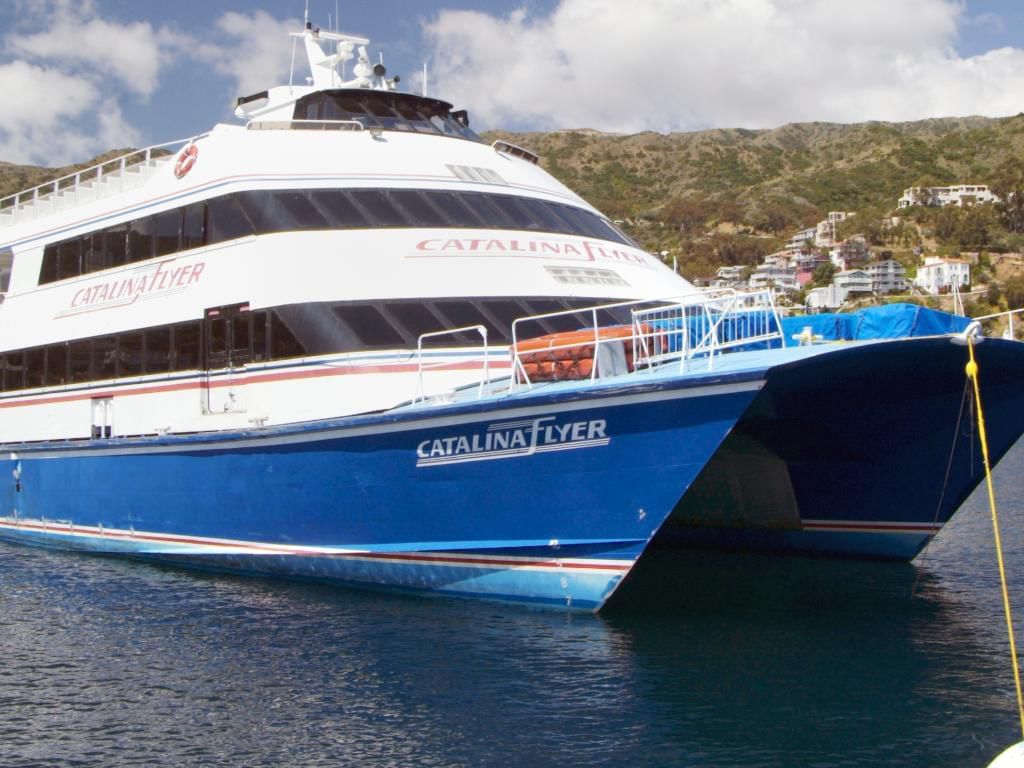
892, 321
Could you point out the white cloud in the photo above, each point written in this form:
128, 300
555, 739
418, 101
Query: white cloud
683, 64
257, 54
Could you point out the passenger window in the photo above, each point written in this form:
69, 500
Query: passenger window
56, 365
130, 355
92, 256
115, 241
369, 325
415, 204
186, 346
282, 341
158, 350
35, 367
338, 209
79, 359
227, 221
376, 203
14, 370
69, 259
193, 229
168, 231
141, 239
104, 357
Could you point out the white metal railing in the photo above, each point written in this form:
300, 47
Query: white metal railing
721, 320
1008, 314
421, 366
658, 333
98, 181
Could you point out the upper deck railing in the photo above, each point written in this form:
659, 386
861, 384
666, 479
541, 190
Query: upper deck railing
98, 181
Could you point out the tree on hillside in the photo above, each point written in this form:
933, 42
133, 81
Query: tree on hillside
687, 215
1007, 183
823, 274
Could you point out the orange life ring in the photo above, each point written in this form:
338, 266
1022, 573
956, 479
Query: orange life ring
186, 160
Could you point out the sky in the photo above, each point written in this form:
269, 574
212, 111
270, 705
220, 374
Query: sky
80, 77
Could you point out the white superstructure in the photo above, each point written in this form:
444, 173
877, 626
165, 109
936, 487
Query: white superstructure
285, 269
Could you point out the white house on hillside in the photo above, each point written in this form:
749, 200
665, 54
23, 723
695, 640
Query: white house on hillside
781, 278
852, 281
939, 275
960, 195
887, 276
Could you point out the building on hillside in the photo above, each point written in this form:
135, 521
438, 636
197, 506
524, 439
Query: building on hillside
825, 231
887, 276
829, 297
799, 241
772, 276
853, 252
855, 282
940, 275
729, 277
959, 195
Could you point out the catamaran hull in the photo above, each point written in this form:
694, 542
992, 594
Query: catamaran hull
859, 451
863, 452
550, 501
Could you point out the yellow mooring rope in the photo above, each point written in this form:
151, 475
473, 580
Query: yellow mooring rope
972, 374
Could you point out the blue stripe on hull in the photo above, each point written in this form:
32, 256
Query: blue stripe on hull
587, 488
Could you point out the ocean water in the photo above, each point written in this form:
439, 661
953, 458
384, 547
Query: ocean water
734, 661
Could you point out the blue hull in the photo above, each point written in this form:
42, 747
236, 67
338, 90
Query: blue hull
864, 452
860, 450
547, 500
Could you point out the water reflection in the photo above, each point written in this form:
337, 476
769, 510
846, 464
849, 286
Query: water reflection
738, 661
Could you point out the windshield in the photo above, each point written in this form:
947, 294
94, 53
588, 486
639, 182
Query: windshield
386, 109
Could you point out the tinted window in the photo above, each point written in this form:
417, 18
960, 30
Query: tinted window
115, 242
282, 341
455, 209
93, 253
415, 317
367, 323
259, 336
69, 258
415, 204
338, 208
186, 346
130, 354
56, 365
14, 370
168, 231
382, 212
104, 357
193, 229
35, 367
79, 360
158, 350
227, 220
141, 239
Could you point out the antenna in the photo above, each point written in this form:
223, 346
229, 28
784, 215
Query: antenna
337, 18
424, 79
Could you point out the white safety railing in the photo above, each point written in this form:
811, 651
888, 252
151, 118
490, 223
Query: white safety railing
720, 321
1010, 332
657, 333
422, 366
98, 181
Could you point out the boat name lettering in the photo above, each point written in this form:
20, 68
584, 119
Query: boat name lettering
586, 250
513, 439
127, 290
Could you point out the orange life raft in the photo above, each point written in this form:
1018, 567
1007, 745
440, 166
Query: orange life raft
569, 355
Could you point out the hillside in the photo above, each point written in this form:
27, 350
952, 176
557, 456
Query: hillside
667, 188
805, 169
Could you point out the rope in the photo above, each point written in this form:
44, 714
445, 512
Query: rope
972, 374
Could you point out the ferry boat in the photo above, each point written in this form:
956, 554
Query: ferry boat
348, 340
